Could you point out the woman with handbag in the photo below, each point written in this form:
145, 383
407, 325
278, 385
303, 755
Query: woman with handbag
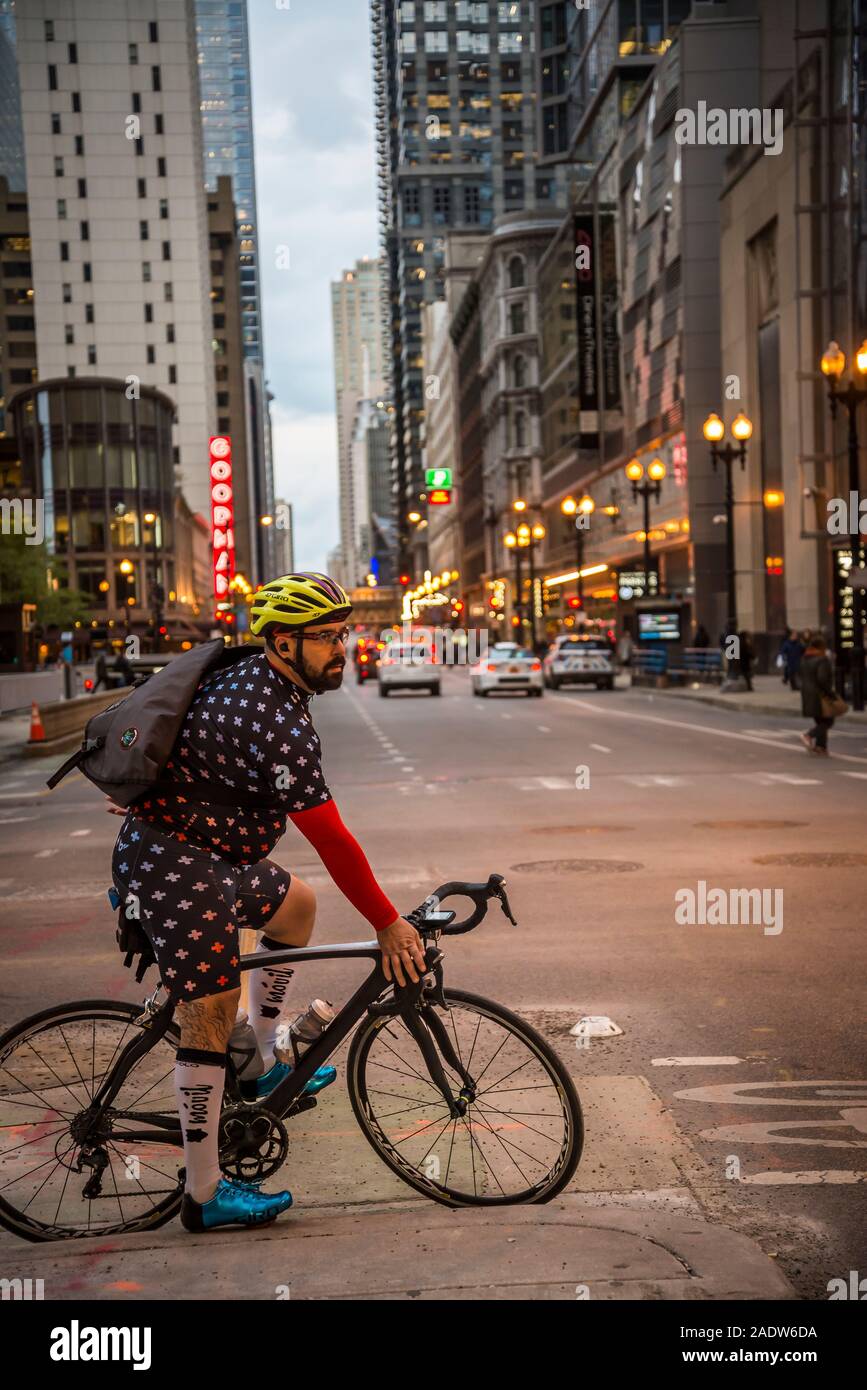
819, 700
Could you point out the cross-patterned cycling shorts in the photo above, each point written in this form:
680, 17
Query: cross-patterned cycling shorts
191, 904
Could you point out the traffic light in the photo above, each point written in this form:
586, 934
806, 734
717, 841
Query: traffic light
458, 605
404, 579
574, 601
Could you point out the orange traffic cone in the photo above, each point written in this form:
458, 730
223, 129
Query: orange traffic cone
37, 733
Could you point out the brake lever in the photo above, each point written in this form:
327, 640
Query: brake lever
504, 901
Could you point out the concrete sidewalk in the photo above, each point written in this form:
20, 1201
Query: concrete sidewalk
769, 696
566, 1249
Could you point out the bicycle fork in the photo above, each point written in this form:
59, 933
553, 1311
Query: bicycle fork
422, 1021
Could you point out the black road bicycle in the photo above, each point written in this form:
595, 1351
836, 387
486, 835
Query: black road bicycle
460, 1097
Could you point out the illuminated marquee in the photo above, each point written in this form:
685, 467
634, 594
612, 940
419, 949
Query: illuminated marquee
222, 515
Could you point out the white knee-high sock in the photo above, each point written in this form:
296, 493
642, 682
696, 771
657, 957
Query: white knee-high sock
267, 994
199, 1081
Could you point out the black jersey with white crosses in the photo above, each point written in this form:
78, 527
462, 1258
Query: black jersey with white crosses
248, 727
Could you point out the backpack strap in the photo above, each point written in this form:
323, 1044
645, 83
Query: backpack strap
215, 793
78, 757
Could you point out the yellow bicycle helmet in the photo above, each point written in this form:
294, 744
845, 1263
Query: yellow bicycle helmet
295, 600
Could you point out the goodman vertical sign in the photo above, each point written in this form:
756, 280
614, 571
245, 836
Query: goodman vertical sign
596, 318
222, 515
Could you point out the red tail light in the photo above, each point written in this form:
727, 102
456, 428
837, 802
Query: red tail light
491, 666
364, 658
535, 665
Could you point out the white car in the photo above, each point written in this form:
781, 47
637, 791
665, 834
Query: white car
507, 668
408, 666
579, 660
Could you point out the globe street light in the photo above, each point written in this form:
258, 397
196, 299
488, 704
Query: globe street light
714, 430
650, 488
833, 365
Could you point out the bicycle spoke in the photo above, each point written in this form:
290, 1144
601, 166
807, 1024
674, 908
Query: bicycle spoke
47, 1177
89, 1094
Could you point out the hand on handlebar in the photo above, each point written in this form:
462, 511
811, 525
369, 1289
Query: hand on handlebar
402, 949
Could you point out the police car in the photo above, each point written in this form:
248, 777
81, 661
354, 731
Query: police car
579, 659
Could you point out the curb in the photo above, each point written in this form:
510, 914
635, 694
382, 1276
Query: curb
742, 706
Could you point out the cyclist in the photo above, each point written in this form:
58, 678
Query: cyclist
201, 872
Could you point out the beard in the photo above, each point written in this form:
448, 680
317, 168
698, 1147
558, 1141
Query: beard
329, 678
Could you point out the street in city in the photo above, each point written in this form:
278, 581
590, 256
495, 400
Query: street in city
725, 1119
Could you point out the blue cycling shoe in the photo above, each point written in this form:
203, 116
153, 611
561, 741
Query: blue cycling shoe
319, 1080
233, 1204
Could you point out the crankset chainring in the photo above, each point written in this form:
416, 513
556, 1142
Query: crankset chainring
253, 1143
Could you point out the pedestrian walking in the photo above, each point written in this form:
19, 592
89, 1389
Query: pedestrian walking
819, 700
702, 636
100, 672
745, 658
122, 667
789, 658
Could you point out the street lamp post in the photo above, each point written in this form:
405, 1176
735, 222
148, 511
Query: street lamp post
583, 507
158, 594
510, 541
833, 364
714, 430
651, 488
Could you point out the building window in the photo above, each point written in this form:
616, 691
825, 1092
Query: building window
173, 374
153, 32
436, 41
88, 313
73, 53
49, 30
67, 294
55, 123
146, 271
91, 355
544, 189
149, 313
52, 78
136, 103
143, 232
167, 250
86, 273
223, 399
133, 53
79, 144
164, 208
142, 186
412, 205
82, 188
85, 231
76, 102
170, 332
161, 167
513, 191
436, 12
156, 80
168, 291
516, 318
519, 372
472, 205
58, 166
442, 203
69, 335
64, 250
159, 128
139, 146
70, 371
151, 354
520, 430
516, 272
61, 208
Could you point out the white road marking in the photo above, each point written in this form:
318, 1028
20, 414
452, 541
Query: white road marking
505, 716
543, 728
794, 781
21, 796
73, 833
651, 780
600, 748
15, 820
585, 707
695, 1061
45, 853
863, 775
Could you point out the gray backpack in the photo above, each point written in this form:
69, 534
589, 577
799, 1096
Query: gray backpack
126, 746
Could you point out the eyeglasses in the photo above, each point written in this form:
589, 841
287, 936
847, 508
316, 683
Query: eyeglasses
331, 638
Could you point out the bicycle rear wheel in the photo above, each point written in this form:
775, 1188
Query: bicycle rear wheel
51, 1065
521, 1138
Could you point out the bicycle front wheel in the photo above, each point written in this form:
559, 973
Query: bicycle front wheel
521, 1137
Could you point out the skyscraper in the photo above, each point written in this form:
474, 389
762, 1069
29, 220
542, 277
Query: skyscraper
359, 375
223, 46
11, 132
454, 96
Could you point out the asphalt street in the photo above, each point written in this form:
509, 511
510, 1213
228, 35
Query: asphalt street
738, 1080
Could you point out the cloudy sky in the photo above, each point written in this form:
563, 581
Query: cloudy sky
316, 192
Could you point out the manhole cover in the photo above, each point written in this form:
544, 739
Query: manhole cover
815, 860
577, 829
750, 824
577, 866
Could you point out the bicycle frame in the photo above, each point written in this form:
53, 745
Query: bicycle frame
291, 1088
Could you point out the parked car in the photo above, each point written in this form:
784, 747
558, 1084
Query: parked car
577, 659
507, 667
407, 666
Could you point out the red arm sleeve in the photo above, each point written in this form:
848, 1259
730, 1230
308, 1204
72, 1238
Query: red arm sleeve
346, 862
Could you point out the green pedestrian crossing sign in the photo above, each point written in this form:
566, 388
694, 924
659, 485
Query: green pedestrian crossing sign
438, 477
